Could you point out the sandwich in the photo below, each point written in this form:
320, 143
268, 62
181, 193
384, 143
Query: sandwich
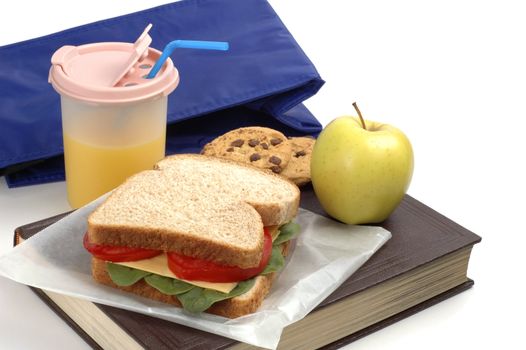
197, 232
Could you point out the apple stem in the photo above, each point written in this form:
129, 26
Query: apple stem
359, 115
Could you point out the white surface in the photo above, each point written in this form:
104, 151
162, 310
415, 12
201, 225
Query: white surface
451, 74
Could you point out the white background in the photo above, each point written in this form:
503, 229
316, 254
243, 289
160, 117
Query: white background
451, 74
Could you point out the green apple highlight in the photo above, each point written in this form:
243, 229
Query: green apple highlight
361, 175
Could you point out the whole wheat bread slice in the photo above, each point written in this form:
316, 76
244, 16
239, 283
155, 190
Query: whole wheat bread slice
275, 198
199, 206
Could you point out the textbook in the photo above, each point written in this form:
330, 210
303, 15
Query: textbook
424, 262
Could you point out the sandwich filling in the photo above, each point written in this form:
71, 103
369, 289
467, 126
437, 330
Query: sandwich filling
196, 283
198, 269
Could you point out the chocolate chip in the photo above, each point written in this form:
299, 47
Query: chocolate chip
276, 169
275, 160
253, 142
275, 141
230, 149
237, 143
300, 154
264, 145
254, 157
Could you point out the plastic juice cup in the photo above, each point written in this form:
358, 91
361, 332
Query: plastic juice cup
113, 118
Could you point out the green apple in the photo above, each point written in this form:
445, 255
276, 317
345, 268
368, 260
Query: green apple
359, 174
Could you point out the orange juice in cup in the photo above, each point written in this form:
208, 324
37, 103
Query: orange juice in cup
113, 117
100, 159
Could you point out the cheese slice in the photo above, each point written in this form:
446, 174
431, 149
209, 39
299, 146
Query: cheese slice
274, 231
159, 265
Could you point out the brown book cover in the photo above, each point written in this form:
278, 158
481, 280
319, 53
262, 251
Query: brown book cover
420, 235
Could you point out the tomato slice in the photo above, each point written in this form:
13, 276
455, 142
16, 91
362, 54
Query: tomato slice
189, 268
118, 254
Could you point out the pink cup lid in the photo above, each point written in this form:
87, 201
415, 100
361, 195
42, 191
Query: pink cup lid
111, 72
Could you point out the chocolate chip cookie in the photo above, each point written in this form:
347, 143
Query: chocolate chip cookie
298, 169
263, 147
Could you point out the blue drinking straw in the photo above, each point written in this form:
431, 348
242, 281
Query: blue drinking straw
185, 44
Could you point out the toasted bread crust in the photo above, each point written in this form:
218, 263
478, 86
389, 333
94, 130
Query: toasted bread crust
276, 214
231, 308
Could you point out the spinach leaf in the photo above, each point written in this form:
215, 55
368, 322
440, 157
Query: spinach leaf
242, 287
194, 300
167, 285
124, 276
199, 299
287, 232
276, 262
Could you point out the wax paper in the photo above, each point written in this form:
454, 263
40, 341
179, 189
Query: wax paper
325, 254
